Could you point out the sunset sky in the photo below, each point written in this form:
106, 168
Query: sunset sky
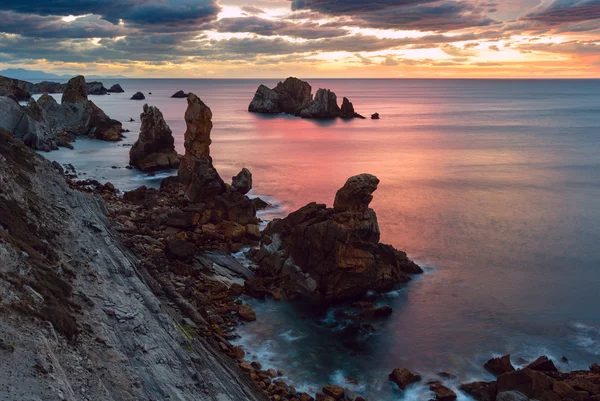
307, 38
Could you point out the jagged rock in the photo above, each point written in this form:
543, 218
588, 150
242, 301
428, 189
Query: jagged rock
442, 393
96, 88
242, 182
334, 391
154, 150
27, 124
511, 396
76, 91
246, 313
375, 116
543, 364
287, 97
324, 105
48, 87
181, 250
179, 94
347, 110
116, 88
404, 377
333, 254
533, 384
196, 172
14, 87
499, 366
138, 96
481, 391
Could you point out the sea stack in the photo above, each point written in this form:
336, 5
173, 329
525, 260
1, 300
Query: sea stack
287, 97
196, 172
154, 150
332, 254
324, 105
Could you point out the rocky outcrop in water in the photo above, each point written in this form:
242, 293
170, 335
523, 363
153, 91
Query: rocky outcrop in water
27, 123
179, 95
116, 88
48, 87
14, 88
96, 88
242, 182
347, 110
332, 254
154, 150
324, 105
138, 96
287, 97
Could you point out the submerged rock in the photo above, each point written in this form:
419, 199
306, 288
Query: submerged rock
116, 88
138, 96
287, 97
333, 254
324, 105
180, 94
154, 150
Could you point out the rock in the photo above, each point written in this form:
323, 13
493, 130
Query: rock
96, 88
382, 311
138, 96
245, 312
238, 353
323, 397
404, 377
116, 88
26, 124
242, 182
287, 97
180, 94
76, 91
583, 384
481, 391
324, 105
48, 87
442, 393
196, 172
347, 110
255, 287
542, 364
531, 383
14, 88
180, 250
136, 195
595, 368
511, 396
375, 116
260, 204
333, 254
564, 390
336, 392
499, 366
154, 150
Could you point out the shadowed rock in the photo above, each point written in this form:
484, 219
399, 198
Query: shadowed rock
242, 182
499, 366
138, 96
333, 254
116, 88
347, 110
154, 150
287, 97
76, 91
96, 88
14, 88
179, 94
324, 105
404, 377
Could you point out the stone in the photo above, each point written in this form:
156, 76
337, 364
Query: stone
375, 116
136, 195
154, 150
334, 391
179, 94
138, 96
499, 366
347, 110
245, 312
287, 97
180, 250
542, 364
26, 124
116, 88
323, 397
481, 391
242, 182
237, 352
404, 377
14, 88
531, 383
511, 396
442, 393
96, 88
324, 105
595, 368
76, 91
356, 194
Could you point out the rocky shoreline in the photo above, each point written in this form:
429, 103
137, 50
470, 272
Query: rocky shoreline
138, 293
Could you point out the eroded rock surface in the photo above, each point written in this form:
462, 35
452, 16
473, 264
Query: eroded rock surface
324, 105
287, 97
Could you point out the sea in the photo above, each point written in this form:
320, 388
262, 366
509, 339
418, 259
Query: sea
492, 186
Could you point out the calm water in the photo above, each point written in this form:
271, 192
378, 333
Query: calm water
492, 186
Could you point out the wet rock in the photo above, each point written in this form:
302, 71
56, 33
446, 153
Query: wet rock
238, 353
375, 116
481, 391
138, 96
287, 97
333, 254
334, 391
246, 313
154, 150
179, 94
543, 364
116, 88
255, 287
324, 397
499, 366
511, 396
442, 393
404, 377
324, 105
531, 383
242, 182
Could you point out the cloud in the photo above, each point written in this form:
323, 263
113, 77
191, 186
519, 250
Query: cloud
556, 12
265, 27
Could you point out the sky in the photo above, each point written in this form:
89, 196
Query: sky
304, 38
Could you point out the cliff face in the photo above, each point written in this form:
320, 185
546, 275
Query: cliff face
77, 319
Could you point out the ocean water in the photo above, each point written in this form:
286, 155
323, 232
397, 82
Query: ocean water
493, 186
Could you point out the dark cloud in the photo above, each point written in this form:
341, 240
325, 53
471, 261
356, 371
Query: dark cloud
265, 27
556, 12
138, 12
424, 15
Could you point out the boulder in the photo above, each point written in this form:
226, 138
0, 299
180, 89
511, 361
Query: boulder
499, 366
138, 96
287, 97
333, 254
442, 393
27, 124
245, 312
511, 396
180, 250
481, 391
136, 195
375, 116
96, 88
533, 384
404, 377
76, 91
543, 364
116, 88
179, 94
324, 105
15, 88
334, 391
196, 172
595, 368
347, 110
154, 150
242, 182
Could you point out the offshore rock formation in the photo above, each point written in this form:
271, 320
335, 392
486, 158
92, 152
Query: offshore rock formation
179, 95
154, 150
138, 96
332, 254
287, 97
14, 88
324, 105
96, 88
116, 88
83, 318
196, 172
347, 110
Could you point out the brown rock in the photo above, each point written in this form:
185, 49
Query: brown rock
136, 195
532, 383
564, 390
583, 384
481, 391
76, 91
442, 393
404, 377
324, 397
238, 353
181, 250
246, 313
356, 194
242, 182
154, 150
334, 391
542, 364
499, 366
595, 368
